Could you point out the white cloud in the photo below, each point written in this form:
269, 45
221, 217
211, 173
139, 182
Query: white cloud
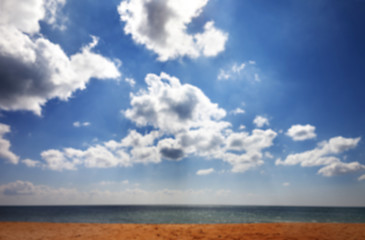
19, 188
203, 172
162, 27
171, 106
130, 81
362, 177
53, 15
22, 14
32, 68
301, 132
325, 155
31, 163
5, 152
261, 121
237, 111
244, 70
241, 127
185, 123
339, 168
258, 140
81, 124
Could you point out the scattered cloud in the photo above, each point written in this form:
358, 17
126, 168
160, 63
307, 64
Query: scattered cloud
130, 81
5, 152
268, 155
162, 27
301, 132
203, 172
362, 177
81, 124
185, 122
31, 163
325, 155
244, 70
34, 70
237, 111
261, 121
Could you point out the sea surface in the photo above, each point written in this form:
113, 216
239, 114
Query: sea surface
181, 214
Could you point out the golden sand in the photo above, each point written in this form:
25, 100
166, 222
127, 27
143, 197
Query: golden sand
260, 231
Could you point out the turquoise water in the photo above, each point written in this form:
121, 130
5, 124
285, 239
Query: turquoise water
181, 214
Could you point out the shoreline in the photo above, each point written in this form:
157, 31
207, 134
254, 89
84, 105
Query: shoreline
252, 231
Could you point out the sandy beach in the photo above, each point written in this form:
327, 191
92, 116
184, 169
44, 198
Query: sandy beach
262, 231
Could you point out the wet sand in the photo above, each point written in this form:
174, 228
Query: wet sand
260, 231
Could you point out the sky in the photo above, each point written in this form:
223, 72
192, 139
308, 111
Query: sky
233, 102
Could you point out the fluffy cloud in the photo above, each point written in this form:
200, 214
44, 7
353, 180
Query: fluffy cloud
338, 168
5, 145
171, 106
205, 171
31, 11
33, 69
301, 132
162, 27
185, 122
261, 121
325, 155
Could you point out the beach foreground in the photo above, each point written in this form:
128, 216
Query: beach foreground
260, 231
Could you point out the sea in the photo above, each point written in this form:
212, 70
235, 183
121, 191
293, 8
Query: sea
181, 214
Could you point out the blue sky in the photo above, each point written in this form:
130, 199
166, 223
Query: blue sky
182, 102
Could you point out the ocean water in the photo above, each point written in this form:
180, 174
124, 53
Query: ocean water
181, 214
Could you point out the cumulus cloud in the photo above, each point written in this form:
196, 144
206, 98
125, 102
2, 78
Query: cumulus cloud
203, 172
171, 106
33, 69
325, 154
301, 132
5, 152
184, 123
244, 70
261, 121
339, 168
162, 27
252, 146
